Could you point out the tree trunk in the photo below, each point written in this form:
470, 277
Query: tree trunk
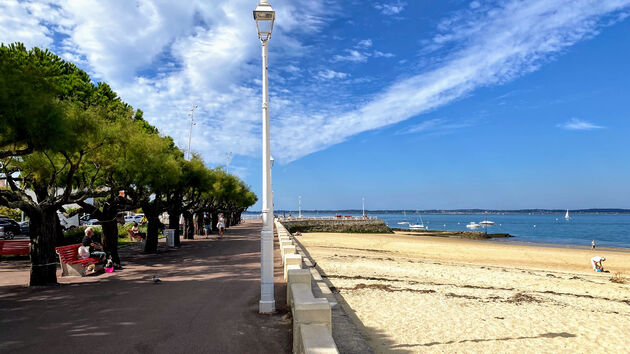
215, 220
173, 223
228, 219
44, 226
110, 239
150, 245
189, 227
199, 230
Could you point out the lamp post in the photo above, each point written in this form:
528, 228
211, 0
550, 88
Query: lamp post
363, 205
192, 122
300, 207
264, 16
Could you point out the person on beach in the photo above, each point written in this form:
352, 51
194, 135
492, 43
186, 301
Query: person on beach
593, 244
221, 225
597, 263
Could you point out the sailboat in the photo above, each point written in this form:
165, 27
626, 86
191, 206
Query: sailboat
566, 216
486, 222
404, 222
418, 226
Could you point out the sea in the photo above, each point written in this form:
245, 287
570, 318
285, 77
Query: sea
608, 230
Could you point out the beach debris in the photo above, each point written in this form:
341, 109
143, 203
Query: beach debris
156, 279
618, 278
519, 298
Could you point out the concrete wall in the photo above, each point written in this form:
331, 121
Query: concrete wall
312, 318
336, 225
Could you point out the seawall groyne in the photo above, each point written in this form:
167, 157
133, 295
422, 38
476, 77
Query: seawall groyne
336, 225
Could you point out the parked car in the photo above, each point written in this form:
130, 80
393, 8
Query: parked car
139, 218
68, 223
9, 228
25, 226
88, 220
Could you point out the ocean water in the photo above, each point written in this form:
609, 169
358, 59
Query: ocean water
608, 230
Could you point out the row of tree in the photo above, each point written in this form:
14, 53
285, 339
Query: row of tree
65, 140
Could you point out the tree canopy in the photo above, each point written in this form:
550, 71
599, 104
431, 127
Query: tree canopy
65, 139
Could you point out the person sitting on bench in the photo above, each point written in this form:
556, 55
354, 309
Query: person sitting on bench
136, 231
96, 249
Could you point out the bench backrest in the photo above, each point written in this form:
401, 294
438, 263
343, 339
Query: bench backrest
15, 247
68, 253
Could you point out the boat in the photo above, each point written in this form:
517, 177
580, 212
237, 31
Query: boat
486, 222
566, 216
418, 225
473, 225
404, 222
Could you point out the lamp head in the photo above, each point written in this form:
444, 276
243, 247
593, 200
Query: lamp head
264, 16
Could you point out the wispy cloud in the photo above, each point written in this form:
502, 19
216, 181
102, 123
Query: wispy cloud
352, 55
331, 74
391, 8
208, 55
578, 124
436, 126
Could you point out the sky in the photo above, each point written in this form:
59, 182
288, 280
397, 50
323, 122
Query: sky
409, 104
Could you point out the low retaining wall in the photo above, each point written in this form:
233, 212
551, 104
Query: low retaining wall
334, 225
312, 317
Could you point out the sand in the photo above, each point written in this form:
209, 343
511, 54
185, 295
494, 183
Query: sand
411, 294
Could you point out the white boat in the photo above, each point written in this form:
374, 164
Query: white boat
487, 223
419, 225
566, 216
403, 223
473, 225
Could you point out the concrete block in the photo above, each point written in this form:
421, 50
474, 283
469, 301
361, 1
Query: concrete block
308, 310
285, 243
287, 250
291, 260
315, 339
297, 276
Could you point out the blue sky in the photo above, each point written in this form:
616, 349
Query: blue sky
410, 104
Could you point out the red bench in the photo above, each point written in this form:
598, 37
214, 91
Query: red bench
134, 237
72, 265
19, 248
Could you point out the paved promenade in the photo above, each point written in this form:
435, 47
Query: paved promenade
207, 302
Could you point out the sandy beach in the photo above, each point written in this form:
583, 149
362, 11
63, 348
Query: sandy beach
412, 294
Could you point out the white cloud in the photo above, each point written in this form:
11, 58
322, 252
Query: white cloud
379, 54
353, 56
578, 124
17, 24
207, 53
331, 74
366, 43
494, 47
436, 126
392, 8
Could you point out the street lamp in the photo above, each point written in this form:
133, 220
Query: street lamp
192, 122
264, 16
300, 206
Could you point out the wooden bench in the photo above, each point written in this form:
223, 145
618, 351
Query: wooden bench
72, 265
134, 237
19, 248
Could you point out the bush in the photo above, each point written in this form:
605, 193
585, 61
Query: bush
76, 235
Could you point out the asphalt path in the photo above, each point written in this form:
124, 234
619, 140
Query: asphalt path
206, 302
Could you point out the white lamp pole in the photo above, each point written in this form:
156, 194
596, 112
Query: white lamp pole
300, 207
265, 16
192, 121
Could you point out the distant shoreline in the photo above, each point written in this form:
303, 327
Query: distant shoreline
611, 211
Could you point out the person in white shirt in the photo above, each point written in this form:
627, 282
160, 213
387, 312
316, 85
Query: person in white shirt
597, 263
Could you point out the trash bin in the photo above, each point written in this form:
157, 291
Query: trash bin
170, 237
